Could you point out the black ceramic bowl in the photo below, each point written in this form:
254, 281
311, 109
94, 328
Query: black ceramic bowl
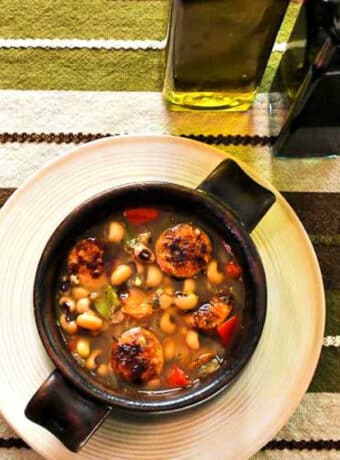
228, 201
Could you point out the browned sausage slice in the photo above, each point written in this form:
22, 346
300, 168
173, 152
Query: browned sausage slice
137, 356
86, 261
212, 314
183, 250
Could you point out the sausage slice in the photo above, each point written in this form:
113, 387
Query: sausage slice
137, 356
183, 251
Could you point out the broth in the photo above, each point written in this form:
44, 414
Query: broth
150, 298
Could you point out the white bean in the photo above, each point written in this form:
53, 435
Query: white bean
166, 323
165, 300
121, 274
116, 232
89, 321
186, 301
189, 285
69, 326
91, 360
83, 305
68, 303
83, 348
153, 277
153, 384
214, 276
192, 340
142, 253
79, 292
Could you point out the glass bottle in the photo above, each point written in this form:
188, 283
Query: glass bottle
309, 74
218, 50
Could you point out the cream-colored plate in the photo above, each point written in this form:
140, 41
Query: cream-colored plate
238, 422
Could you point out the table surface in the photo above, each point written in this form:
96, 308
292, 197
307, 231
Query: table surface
72, 74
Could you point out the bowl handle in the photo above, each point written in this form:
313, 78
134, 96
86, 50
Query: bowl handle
234, 188
68, 414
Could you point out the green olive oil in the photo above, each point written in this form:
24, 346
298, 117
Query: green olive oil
218, 50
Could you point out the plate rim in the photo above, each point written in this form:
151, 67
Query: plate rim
301, 386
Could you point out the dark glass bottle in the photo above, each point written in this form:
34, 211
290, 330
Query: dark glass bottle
310, 76
218, 51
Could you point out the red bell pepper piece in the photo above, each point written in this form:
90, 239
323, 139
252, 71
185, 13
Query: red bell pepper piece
176, 377
227, 329
140, 215
233, 270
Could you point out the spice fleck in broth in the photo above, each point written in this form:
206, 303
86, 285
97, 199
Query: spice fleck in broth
151, 299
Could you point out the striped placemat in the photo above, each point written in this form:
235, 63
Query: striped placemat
76, 71
40, 125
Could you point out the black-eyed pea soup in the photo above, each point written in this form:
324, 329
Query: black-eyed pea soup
150, 298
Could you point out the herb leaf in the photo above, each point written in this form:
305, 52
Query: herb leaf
129, 235
108, 304
112, 297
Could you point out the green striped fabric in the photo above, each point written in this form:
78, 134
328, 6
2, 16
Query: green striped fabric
91, 70
101, 70
118, 19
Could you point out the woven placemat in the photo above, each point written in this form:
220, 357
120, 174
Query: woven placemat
49, 46
40, 125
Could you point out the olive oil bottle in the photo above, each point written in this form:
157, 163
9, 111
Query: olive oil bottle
218, 50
